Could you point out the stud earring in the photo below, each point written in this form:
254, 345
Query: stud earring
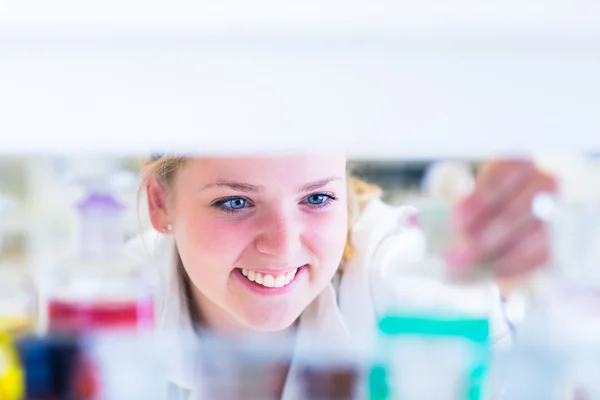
169, 228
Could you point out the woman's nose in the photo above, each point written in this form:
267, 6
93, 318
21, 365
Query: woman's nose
281, 235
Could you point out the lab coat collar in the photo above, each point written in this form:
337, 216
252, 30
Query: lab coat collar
322, 320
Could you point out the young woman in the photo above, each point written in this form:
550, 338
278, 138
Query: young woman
271, 244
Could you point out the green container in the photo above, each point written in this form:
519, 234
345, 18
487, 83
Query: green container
471, 334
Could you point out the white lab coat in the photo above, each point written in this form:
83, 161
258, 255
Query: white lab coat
348, 309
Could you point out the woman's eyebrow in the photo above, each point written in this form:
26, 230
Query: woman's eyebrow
250, 188
318, 184
238, 186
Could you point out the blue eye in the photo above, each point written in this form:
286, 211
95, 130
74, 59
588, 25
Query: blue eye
235, 204
319, 200
316, 199
232, 205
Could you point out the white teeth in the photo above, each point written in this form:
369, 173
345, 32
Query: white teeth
268, 280
280, 281
289, 276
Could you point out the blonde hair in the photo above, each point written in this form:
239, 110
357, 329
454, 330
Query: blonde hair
164, 171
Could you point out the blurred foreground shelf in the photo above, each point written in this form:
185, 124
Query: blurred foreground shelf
392, 80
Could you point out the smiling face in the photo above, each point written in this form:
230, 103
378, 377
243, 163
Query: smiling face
260, 238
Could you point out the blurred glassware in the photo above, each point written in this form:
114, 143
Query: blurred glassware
253, 368
18, 298
7, 205
97, 289
51, 368
562, 318
11, 373
432, 323
18, 301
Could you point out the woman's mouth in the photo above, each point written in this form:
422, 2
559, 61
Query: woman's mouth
270, 280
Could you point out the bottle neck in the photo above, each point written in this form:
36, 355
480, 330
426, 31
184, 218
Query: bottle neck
101, 234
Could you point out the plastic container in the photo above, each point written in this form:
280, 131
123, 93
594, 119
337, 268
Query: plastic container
97, 289
431, 357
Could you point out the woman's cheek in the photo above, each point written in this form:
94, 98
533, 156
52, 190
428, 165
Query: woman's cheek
213, 240
227, 239
326, 235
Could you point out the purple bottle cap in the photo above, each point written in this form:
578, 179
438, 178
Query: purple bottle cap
96, 201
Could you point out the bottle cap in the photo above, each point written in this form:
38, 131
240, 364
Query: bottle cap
96, 202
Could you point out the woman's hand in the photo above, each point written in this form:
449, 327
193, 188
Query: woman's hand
496, 225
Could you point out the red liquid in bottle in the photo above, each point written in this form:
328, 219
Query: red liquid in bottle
93, 316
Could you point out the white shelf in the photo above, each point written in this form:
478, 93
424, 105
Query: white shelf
385, 80
273, 17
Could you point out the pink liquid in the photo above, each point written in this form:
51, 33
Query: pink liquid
73, 316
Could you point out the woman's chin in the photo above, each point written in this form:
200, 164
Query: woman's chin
270, 323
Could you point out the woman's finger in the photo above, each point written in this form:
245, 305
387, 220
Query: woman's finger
510, 221
521, 202
495, 186
526, 255
494, 241
471, 252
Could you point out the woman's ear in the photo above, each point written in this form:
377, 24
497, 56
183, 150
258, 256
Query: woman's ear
157, 206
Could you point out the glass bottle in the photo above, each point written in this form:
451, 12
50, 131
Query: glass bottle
98, 289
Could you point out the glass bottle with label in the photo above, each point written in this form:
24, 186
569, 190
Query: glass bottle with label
98, 289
